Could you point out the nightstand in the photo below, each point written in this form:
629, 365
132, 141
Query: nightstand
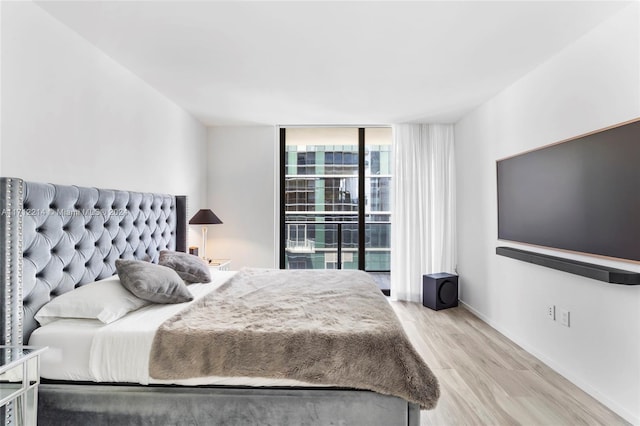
220, 264
19, 380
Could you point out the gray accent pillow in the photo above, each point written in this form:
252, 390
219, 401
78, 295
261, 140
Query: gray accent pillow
191, 268
152, 282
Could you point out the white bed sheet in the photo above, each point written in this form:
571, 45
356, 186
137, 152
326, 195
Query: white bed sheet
69, 346
88, 350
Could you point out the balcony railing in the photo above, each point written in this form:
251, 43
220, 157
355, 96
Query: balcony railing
297, 241
301, 246
334, 244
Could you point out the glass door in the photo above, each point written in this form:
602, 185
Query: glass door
321, 198
335, 200
378, 199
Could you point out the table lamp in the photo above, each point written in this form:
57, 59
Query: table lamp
204, 217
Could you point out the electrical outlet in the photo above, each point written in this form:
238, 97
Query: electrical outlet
564, 317
551, 312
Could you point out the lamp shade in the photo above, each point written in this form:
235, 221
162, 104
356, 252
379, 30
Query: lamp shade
204, 217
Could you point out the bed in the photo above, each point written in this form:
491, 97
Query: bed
55, 238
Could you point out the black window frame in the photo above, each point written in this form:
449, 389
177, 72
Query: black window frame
361, 201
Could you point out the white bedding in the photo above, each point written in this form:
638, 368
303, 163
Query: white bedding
88, 350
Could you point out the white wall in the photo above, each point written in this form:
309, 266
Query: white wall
71, 115
242, 192
593, 83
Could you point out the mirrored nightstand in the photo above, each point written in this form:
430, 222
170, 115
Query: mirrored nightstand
220, 264
19, 380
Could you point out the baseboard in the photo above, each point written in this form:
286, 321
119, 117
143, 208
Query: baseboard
558, 368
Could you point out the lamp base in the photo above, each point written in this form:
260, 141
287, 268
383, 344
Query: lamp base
204, 244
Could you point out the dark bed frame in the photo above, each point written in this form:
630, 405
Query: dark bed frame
54, 238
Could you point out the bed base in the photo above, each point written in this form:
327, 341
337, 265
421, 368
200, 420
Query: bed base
96, 405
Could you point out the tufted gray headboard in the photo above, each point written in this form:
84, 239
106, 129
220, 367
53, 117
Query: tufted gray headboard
58, 237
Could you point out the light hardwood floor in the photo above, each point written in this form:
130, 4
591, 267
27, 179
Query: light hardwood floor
486, 379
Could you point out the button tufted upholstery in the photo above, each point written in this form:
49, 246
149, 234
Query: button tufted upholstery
73, 235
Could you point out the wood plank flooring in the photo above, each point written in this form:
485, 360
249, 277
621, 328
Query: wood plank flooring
486, 379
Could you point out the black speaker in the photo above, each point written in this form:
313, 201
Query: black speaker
440, 291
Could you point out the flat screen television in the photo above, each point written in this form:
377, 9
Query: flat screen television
581, 195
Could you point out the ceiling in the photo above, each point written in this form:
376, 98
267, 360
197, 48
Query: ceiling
318, 63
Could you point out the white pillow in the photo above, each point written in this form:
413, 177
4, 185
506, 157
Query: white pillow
105, 300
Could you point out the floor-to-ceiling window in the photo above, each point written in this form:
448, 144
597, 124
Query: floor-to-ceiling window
335, 198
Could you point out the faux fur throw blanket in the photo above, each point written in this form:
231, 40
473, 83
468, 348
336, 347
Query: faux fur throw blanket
325, 327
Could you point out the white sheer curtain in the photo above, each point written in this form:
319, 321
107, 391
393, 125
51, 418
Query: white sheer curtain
423, 221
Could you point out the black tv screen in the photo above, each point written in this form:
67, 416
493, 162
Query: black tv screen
581, 195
